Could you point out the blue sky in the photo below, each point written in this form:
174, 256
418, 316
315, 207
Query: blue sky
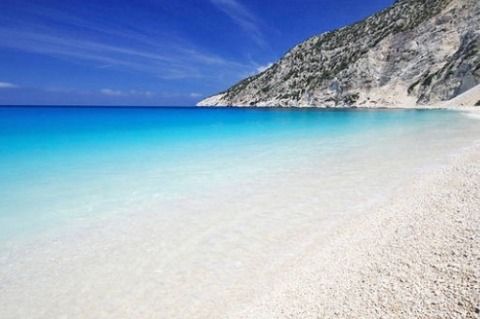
151, 52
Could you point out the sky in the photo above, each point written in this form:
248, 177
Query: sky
151, 52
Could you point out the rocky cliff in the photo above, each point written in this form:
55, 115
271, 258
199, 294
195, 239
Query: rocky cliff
417, 52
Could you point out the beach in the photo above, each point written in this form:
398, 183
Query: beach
377, 220
240, 159
415, 257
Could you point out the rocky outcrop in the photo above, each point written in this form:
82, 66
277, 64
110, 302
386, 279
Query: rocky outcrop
417, 52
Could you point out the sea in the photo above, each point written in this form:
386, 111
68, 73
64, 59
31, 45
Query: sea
60, 165
185, 206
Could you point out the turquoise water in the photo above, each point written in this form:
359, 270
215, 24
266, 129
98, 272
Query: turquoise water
67, 166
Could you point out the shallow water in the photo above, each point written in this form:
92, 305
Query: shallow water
180, 210
59, 166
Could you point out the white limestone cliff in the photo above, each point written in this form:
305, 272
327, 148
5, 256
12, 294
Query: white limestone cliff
415, 53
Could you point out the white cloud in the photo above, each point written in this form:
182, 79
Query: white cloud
83, 39
138, 93
243, 17
111, 92
262, 68
167, 59
7, 85
195, 95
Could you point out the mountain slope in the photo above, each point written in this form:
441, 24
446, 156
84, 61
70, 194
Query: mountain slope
417, 52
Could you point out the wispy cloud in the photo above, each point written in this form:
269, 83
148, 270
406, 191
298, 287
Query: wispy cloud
83, 39
243, 17
171, 62
7, 85
262, 68
139, 93
195, 95
111, 92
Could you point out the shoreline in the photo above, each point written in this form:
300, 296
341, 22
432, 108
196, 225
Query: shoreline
286, 108
381, 261
340, 108
467, 101
414, 257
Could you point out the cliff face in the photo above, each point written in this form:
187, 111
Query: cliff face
417, 52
